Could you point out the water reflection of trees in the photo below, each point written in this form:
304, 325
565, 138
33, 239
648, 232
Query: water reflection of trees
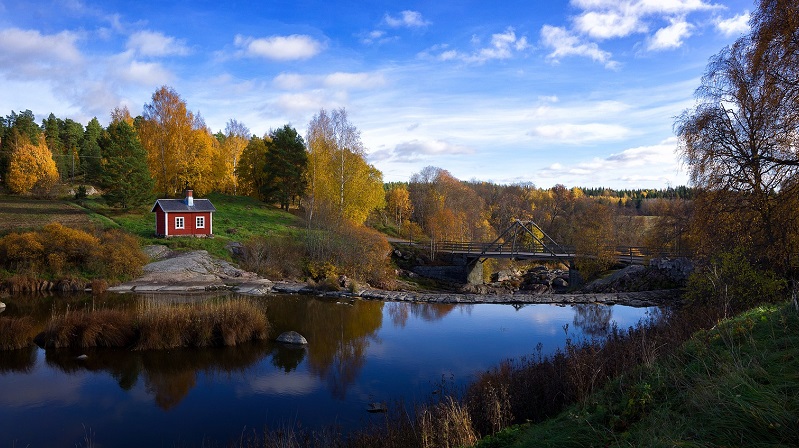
592, 318
21, 361
399, 312
167, 375
338, 335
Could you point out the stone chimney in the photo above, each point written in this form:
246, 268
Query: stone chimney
189, 198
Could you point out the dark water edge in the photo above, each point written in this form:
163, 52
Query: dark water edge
358, 353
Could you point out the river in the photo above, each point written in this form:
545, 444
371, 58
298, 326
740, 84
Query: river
359, 352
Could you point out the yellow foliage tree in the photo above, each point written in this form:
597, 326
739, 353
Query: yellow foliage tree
31, 167
341, 184
398, 203
180, 148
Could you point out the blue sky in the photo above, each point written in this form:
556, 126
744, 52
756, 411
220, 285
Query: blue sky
580, 92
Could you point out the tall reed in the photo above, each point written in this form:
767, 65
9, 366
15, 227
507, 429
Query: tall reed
157, 325
230, 322
15, 332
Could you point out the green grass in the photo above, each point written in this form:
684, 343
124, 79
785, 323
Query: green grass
238, 218
735, 385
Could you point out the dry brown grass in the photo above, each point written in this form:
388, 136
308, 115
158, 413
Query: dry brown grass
157, 325
447, 425
15, 332
88, 328
162, 325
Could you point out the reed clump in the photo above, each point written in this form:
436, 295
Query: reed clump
226, 323
88, 328
15, 332
155, 325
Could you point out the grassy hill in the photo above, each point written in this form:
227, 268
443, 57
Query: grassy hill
238, 218
735, 385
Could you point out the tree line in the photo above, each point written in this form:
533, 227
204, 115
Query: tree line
168, 147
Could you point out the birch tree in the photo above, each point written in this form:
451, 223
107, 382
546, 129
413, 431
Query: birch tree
341, 184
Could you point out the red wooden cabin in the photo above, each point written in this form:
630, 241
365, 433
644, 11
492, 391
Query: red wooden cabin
184, 217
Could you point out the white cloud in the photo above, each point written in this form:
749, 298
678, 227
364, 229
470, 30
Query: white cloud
734, 26
377, 37
361, 80
646, 7
153, 43
290, 81
564, 44
28, 53
503, 45
409, 19
280, 48
609, 24
143, 73
414, 150
634, 166
580, 133
670, 37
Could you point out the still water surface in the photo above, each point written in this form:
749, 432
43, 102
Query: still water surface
358, 353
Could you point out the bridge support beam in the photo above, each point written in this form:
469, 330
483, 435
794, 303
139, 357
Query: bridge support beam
473, 272
575, 279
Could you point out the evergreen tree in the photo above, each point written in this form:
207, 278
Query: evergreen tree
286, 164
125, 175
90, 151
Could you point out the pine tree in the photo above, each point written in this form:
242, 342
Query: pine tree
125, 175
286, 164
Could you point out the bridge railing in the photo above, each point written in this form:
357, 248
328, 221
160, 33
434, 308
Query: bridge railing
624, 254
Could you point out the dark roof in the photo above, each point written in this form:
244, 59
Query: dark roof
179, 205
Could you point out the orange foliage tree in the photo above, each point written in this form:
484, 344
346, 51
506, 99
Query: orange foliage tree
31, 167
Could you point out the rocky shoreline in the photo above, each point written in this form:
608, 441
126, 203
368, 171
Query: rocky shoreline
198, 272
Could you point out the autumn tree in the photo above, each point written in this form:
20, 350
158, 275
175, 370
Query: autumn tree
398, 204
31, 167
250, 170
740, 140
18, 128
232, 144
341, 184
180, 148
285, 168
448, 209
125, 176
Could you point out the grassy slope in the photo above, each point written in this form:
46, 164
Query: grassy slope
736, 385
238, 218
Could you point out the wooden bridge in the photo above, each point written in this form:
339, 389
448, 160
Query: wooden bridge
622, 254
525, 240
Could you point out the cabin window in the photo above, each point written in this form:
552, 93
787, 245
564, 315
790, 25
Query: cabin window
179, 224
201, 222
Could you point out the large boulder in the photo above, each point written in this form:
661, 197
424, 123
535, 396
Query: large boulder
292, 337
675, 269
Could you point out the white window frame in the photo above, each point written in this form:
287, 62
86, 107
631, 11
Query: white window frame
200, 222
180, 223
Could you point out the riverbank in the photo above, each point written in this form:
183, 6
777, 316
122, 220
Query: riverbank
732, 385
198, 272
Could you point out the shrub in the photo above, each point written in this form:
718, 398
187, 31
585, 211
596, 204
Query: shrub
118, 256
21, 250
73, 245
732, 283
278, 257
